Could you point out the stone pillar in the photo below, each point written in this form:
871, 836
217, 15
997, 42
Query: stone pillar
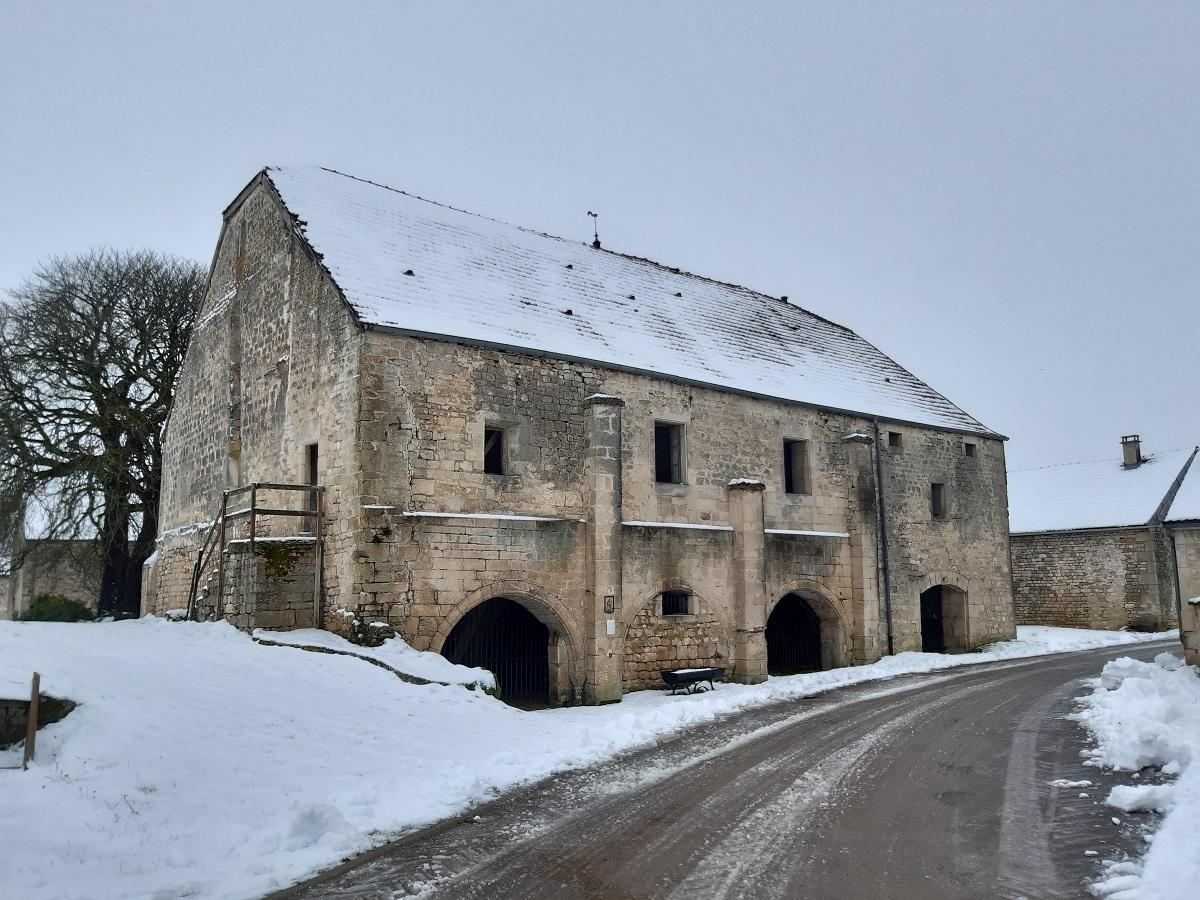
604, 548
868, 635
749, 581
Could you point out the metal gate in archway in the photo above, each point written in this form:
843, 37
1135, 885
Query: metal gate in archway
933, 632
505, 638
793, 637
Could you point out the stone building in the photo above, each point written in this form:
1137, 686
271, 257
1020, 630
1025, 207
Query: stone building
1108, 544
572, 466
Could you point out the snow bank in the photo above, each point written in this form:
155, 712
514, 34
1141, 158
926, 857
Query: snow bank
394, 652
1148, 715
202, 764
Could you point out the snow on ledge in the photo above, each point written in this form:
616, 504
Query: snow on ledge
685, 525
395, 653
735, 482
503, 517
802, 533
293, 539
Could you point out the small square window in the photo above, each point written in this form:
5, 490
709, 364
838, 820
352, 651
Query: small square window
968, 449
895, 440
674, 603
493, 451
668, 453
795, 467
937, 500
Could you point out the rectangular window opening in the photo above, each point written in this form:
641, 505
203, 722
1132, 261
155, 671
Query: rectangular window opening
969, 449
493, 451
895, 440
795, 467
312, 474
674, 603
668, 453
937, 500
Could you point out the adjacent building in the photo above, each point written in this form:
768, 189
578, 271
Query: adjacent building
1112, 543
573, 466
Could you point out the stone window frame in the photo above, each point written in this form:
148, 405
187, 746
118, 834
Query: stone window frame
806, 474
895, 441
512, 444
970, 449
689, 603
670, 487
939, 501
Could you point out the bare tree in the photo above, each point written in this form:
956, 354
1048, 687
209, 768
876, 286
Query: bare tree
90, 347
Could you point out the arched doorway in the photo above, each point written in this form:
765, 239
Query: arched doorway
793, 637
943, 619
505, 638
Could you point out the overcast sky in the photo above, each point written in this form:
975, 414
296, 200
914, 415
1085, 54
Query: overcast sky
1005, 197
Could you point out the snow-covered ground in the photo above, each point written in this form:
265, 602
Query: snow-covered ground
1148, 715
202, 764
395, 654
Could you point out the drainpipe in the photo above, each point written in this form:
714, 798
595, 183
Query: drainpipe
1175, 572
883, 539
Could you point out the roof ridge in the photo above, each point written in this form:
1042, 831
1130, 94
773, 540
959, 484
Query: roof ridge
1153, 457
674, 270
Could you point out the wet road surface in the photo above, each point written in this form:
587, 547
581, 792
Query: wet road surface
925, 786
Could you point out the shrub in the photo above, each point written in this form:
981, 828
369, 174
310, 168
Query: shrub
52, 608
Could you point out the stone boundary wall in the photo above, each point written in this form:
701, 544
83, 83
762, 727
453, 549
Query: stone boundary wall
68, 569
1090, 579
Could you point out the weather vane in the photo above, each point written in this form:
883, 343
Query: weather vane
595, 229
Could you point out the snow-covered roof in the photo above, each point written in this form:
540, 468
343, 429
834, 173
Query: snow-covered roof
1101, 494
428, 269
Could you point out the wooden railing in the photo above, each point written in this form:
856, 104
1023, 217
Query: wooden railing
216, 538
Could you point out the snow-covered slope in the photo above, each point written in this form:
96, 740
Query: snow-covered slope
412, 264
202, 764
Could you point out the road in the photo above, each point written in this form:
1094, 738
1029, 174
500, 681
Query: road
927, 786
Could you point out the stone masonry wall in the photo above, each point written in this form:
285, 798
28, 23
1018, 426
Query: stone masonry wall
966, 548
421, 446
1187, 560
1090, 579
272, 587
62, 568
271, 368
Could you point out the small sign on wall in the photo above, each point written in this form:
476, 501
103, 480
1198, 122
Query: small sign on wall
610, 603
611, 625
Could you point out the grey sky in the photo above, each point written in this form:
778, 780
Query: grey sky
1004, 196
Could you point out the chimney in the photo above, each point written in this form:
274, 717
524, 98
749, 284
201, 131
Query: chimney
1131, 451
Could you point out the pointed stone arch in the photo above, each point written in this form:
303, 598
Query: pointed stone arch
563, 654
833, 635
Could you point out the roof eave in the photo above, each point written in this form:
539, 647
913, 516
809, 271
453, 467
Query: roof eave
1088, 528
678, 379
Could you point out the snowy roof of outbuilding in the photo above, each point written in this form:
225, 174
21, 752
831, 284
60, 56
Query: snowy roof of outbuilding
423, 268
1101, 494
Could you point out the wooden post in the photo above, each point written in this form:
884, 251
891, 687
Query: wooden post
31, 720
221, 556
318, 555
253, 513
